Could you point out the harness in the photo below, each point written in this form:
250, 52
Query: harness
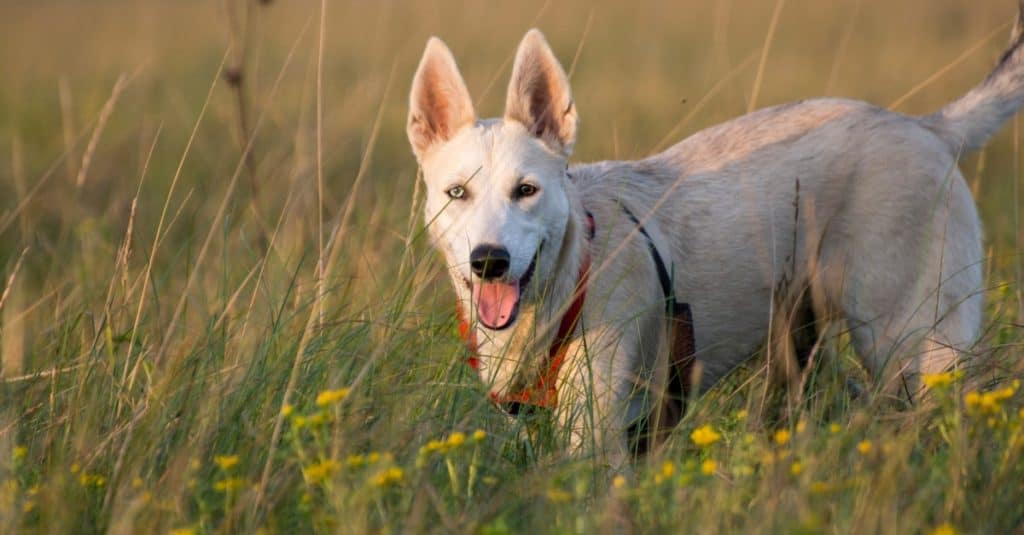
544, 393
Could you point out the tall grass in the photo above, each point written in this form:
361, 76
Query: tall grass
220, 312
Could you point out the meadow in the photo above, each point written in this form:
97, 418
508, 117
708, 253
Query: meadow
219, 312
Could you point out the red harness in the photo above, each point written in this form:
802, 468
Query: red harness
544, 392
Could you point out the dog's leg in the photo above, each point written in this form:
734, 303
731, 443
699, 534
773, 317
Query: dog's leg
911, 294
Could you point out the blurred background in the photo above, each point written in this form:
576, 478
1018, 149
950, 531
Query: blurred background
209, 212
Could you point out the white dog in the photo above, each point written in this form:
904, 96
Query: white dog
568, 277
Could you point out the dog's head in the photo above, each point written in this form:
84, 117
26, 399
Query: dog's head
496, 203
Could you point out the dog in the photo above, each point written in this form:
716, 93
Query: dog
572, 281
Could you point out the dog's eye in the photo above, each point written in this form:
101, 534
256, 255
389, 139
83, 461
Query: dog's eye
456, 192
525, 190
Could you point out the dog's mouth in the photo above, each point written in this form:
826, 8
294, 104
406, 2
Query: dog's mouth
497, 301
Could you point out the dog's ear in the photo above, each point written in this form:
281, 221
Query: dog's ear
439, 103
539, 96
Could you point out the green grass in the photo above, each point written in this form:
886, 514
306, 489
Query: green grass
161, 304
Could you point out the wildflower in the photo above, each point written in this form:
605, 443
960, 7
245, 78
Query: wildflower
479, 435
796, 468
228, 485
708, 467
456, 439
33, 490
941, 380
558, 495
619, 482
20, 452
988, 402
287, 410
373, 457
330, 397
782, 437
741, 415
801, 426
705, 436
75, 468
183, 531
194, 464
28, 506
944, 529
91, 480
299, 421
355, 460
834, 428
319, 471
668, 469
864, 447
226, 462
388, 477
820, 487
137, 483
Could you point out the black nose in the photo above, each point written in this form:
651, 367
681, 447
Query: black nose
489, 261
514, 408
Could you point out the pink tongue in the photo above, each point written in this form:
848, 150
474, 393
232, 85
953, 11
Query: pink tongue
496, 303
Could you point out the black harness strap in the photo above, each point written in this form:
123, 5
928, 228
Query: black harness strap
682, 346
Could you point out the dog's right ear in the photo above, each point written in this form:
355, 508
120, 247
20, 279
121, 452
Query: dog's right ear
439, 104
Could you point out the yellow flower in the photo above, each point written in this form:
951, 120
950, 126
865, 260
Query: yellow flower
944, 529
183, 531
479, 435
988, 402
741, 415
668, 469
940, 380
388, 477
226, 462
75, 468
782, 437
796, 468
355, 460
228, 485
558, 495
619, 482
834, 428
91, 480
708, 467
287, 410
194, 464
705, 436
137, 483
28, 506
20, 452
319, 471
372, 457
330, 397
456, 439
864, 447
801, 426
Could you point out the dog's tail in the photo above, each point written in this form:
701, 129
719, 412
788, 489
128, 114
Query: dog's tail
969, 121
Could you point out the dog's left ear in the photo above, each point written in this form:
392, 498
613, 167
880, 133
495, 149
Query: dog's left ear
539, 96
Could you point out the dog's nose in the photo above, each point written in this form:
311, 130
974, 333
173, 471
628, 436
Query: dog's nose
515, 408
489, 261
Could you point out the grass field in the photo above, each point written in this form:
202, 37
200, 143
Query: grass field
218, 311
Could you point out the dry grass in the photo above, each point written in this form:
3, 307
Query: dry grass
189, 264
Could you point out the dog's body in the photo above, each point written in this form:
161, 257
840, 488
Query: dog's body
856, 211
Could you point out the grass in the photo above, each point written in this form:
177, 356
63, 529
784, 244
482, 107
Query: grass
220, 313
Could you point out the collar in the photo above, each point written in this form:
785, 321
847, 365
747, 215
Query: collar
544, 392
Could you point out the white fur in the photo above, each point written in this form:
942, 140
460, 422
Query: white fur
863, 208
